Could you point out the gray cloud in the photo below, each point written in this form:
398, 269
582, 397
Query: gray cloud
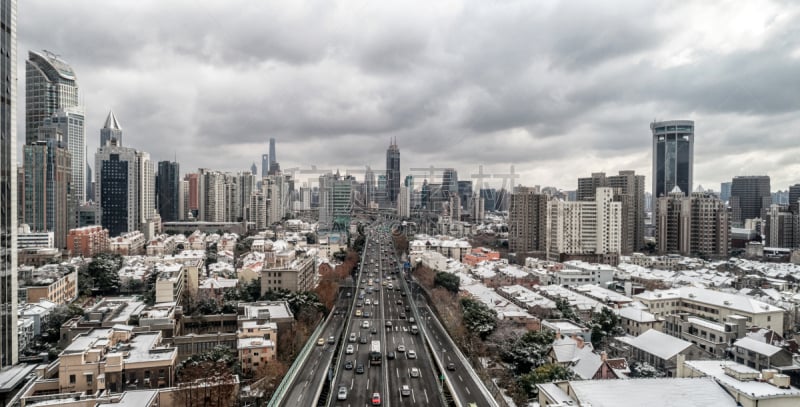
557, 89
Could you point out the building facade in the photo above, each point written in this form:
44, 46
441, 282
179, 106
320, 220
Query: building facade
527, 221
9, 351
584, 227
698, 225
168, 190
392, 174
628, 190
47, 188
750, 198
87, 241
673, 156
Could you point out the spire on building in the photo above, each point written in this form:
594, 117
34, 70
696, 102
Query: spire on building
112, 122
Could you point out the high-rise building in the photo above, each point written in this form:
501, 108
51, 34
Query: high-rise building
273, 156
750, 198
527, 221
629, 190
111, 130
192, 194
70, 123
673, 156
584, 227
168, 190
781, 227
404, 202
465, 194
725, 191
489, 196
9, 351
794, 197
450, 181
254, 169
335, 201
46, 188
369, 186
89, 182
124, 188
50, 85
698, 225
392, 174
264, 165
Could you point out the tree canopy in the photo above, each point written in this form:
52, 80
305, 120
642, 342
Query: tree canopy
449, 281
478, 318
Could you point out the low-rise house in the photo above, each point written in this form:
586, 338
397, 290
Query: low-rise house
748, 386
636, 321
713, 337
662, 351
57, 283
760, 355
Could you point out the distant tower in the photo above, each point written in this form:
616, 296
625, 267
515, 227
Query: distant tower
272, 155
111, 130
392, 174
50, 85
673, 156
254, 169
167, 190
264, 165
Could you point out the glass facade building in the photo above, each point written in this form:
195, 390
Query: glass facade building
8, 185
673, 156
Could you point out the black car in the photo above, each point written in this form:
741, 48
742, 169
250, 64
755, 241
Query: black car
348, 365
374, 330
390, 355
362, 340
451, 366
402, 315
360, 369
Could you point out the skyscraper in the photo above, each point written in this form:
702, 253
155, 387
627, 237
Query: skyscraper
264, 165
167, 190
725, 191
585, 229
47, 184
124, 188
750, 198
392, 174
673, 156
794, 197
254, 169
69, 122
369, 186
111, 130
273, 156
50, 85
9, 351
450, 181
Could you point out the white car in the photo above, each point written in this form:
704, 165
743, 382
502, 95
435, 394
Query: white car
411, 354
401, 348
414, 372
365, 324
350, 350
342, 393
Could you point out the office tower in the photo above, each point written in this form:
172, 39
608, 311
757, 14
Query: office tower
335, 201
794, 197
673, 156
264, 165
725, 191
750, 198
454, 207
247, 185
254, 169
9, 351
369, 186
47, 169
168, 190
70, 123
192, 194
183, 203
478, 211
527, 221
450, 181
584, 228
392, 173
111, 130
629, 190
89, 181
465, 194
50, 85
273, 157
380, 190
489, 198
781, 227
404, 202
124, 188
698, 225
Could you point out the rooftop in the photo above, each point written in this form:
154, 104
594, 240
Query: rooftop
757, 389
662, 392
657, 343
757, 346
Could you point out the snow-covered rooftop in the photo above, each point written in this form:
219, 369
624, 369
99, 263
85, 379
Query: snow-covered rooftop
657, 343
662, 392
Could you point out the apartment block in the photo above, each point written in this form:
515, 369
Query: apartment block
88, 241
697, 225
584, 227
629, 191
527, 221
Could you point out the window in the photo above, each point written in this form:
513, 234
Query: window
72, 379
89, 380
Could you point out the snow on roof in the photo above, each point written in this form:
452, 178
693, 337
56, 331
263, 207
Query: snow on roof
567, 350
602, 294
706, 324
754, 388
715, 298
657, 343
757, 346
588, 365
636, 314
661, 392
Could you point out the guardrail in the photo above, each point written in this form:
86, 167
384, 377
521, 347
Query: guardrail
424, 332
280, 392
482, 386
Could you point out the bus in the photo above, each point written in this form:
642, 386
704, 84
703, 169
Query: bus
375, 353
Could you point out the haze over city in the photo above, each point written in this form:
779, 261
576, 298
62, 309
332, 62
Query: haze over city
557, 89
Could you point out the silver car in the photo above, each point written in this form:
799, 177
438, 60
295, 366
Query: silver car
342, 393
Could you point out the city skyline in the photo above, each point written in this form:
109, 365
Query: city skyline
559, 106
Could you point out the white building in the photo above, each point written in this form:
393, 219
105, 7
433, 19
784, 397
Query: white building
584, 227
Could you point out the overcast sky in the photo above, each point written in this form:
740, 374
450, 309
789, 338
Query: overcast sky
556, 89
